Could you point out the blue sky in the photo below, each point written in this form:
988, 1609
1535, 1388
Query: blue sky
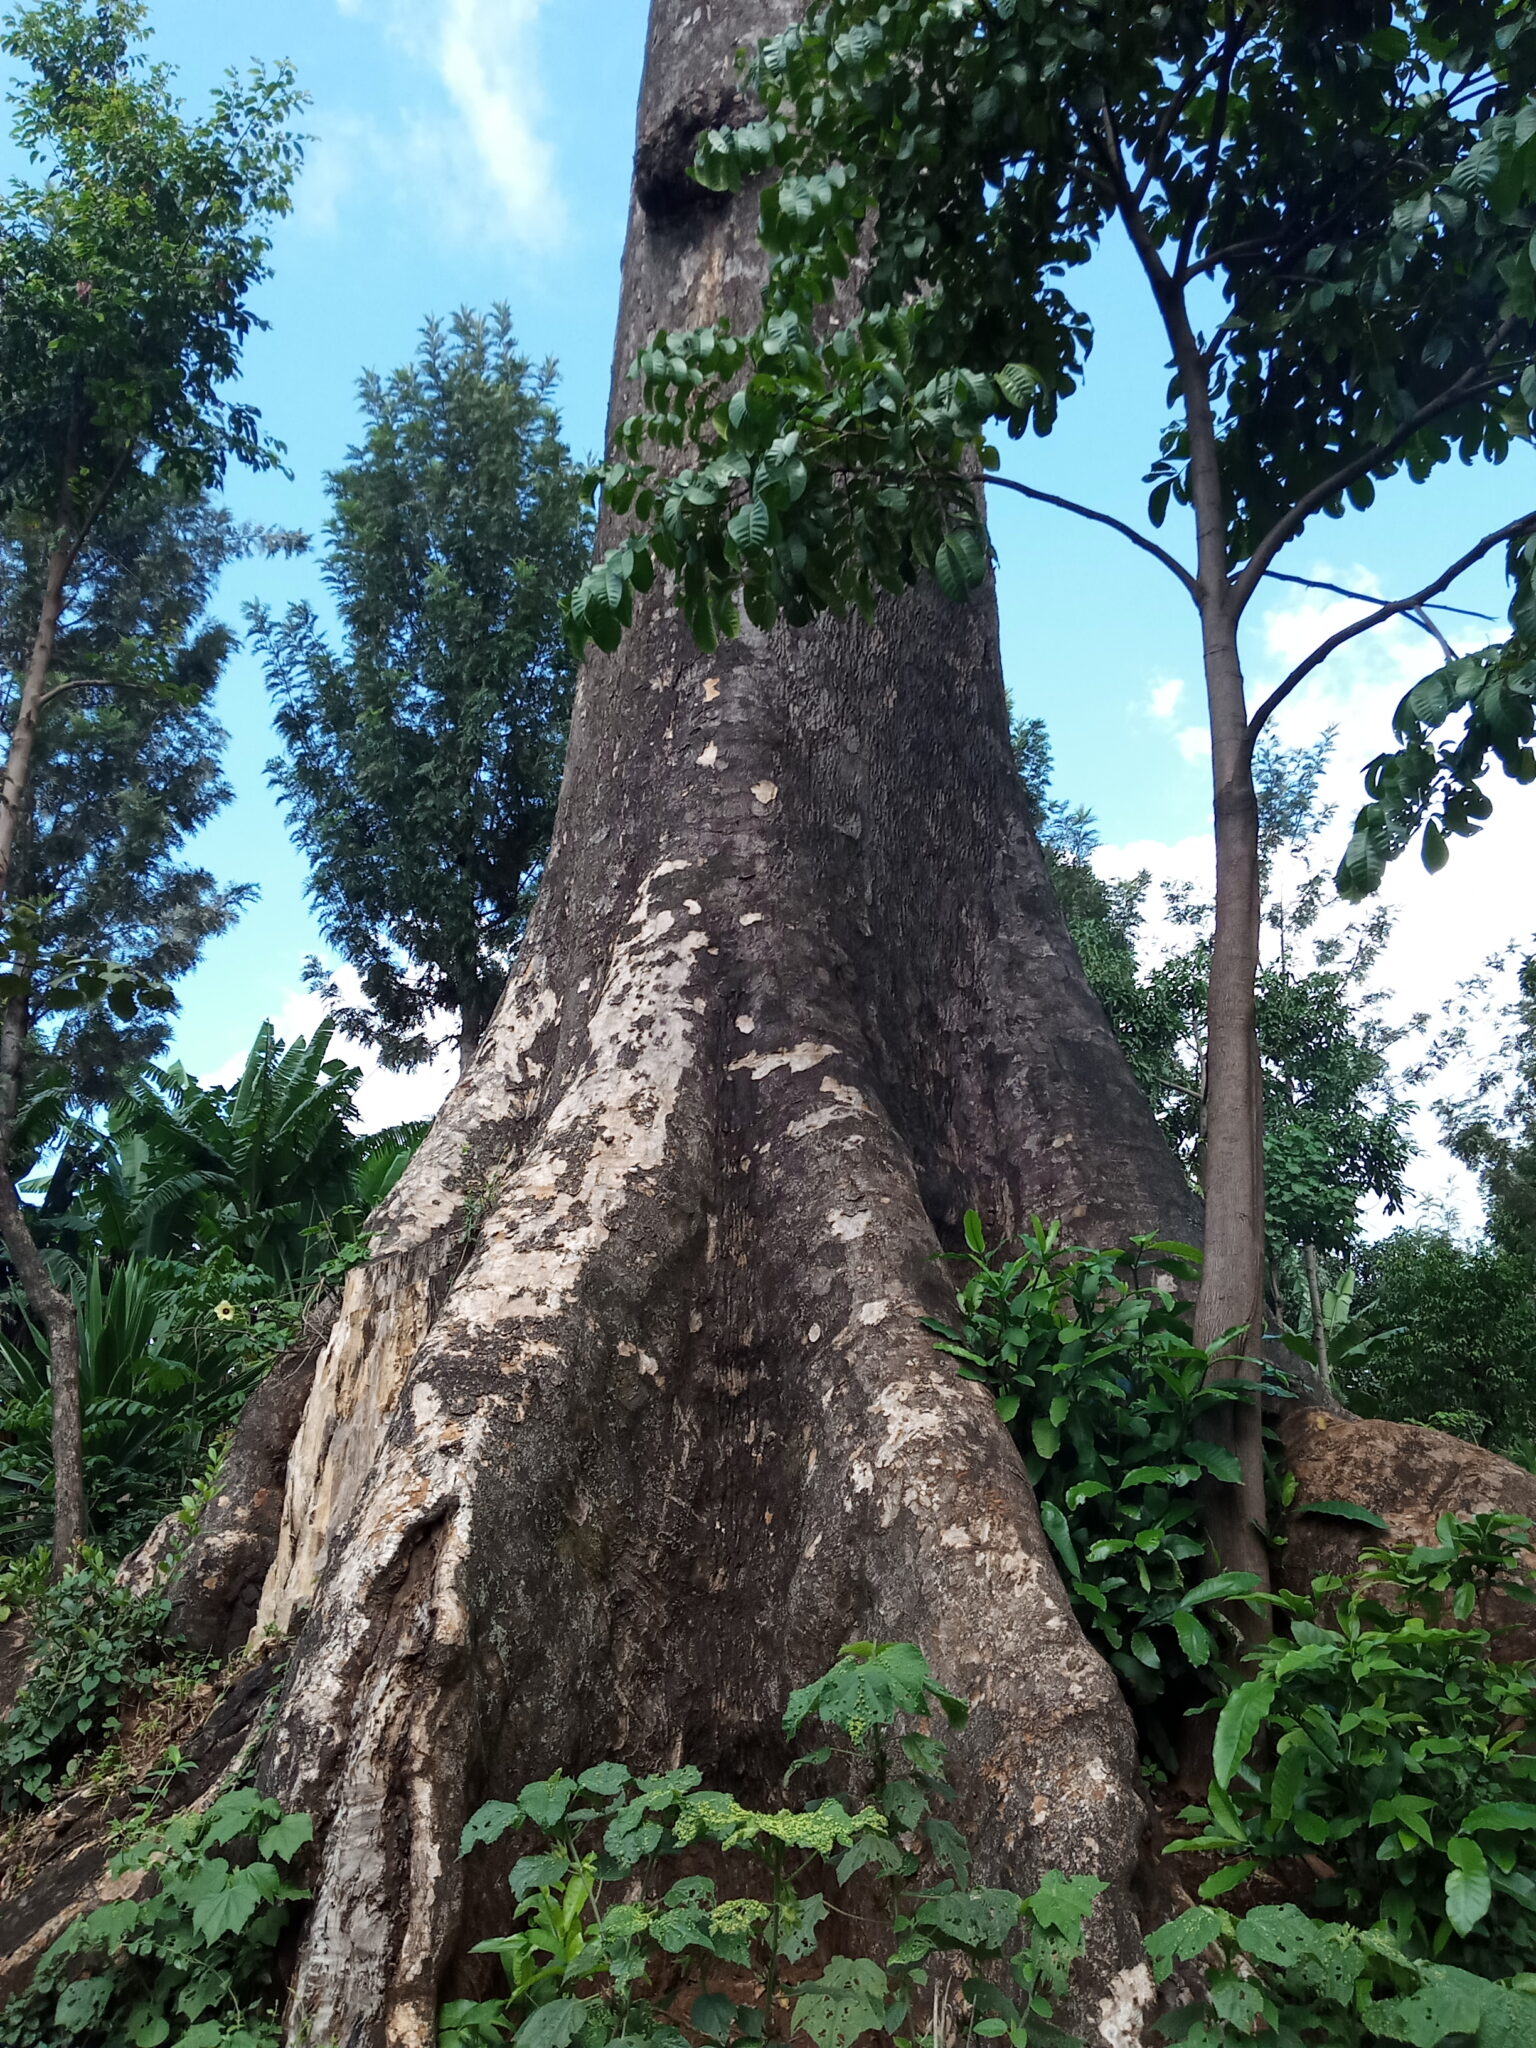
466, 151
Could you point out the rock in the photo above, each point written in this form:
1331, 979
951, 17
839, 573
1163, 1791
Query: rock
1410, 1477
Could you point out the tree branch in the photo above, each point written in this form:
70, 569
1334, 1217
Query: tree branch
1148, 546
1290, 523
1231, 46
1397, 609
1461, 611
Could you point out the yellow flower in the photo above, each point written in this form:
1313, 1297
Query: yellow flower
225, 1311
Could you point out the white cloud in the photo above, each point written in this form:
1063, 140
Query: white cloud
1194, 742
1165, 695
383, 1098
479, 152
1448, 924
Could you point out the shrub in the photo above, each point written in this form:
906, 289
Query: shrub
1381, 1742
595, 1913
1096, 1372
1458, 1335
192, 1964
1279, 1976
92, 1642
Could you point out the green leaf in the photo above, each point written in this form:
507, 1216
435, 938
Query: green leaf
1501, 1814
1228, 1879
545, 1801
846, 2002
750, 527
286, 1837
537, 1873
1468, 1888
1223, 1586
713, 2015
1246, 1710
1345, 1511
1054, 1522
606, 1780
488, 1824
1181, 1940
554, 2025
959, 565
82, 2003
1195, 1639
228, 1909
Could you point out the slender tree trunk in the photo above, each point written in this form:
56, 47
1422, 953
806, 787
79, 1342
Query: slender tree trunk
18, 764
632, 1419
53, 1309
1319, 1327
1229, 1315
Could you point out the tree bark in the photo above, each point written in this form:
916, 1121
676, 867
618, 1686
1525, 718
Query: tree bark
18, 763
1229, 1313
1319, 1325
632, 1420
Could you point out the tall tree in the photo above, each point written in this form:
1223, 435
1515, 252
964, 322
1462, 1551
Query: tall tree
457, 527
127, 768
639, 1360
1330, 210
126, 268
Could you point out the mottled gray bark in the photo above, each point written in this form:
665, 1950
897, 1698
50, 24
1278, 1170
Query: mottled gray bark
632, 1420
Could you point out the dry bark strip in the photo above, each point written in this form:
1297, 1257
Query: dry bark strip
632, 1419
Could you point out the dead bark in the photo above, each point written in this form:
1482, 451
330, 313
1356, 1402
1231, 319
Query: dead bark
632, 1419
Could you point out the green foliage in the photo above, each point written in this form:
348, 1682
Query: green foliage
1366, 227
127, 267
127, 767
1494, 1132
1090, 1356
1433, 792
456, 528
90, 1641
596, 1916
1380, 1737
168, 1355
1457, 1336
1282, 1977
23, 1580
192, 1226
268, 1169
191, 1964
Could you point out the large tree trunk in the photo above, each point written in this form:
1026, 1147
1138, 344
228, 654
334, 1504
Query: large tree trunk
632, 1419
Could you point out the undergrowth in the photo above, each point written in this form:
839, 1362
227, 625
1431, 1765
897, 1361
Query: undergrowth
1093, 1363
191, 1962
604, 1947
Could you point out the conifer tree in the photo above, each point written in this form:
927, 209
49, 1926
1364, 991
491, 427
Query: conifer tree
457, 527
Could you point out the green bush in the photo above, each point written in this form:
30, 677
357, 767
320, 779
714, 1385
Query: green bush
1382, 1739
192, 1965
595, 1913
1280, 1977
1096, 1372
169, 1354
92, 1642
1458, 1338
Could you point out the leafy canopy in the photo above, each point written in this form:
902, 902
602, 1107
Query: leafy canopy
127, 770
456, 527
1333, 207
127, 264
